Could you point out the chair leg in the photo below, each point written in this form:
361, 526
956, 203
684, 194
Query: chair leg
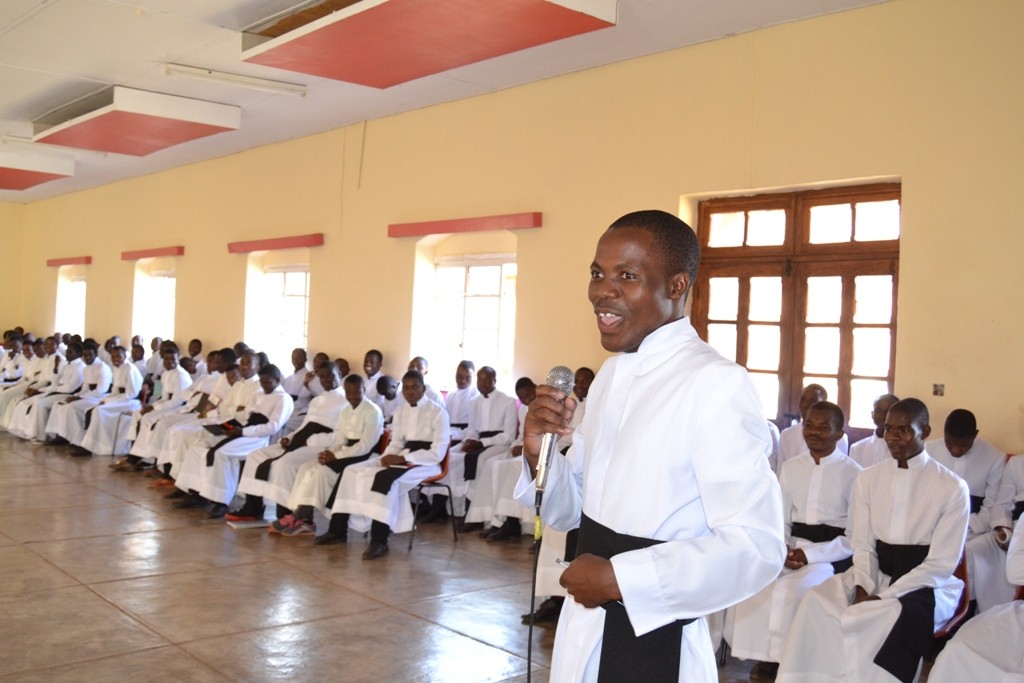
415, 515
451, 513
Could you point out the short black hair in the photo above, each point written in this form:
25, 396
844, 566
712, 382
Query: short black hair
913, 407
835, 413
673, 238
524, 382
354, 378
961, 423
468, 365
414, 375
587, 371
271, 370
378, 354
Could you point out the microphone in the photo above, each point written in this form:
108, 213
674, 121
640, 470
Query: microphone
562, 379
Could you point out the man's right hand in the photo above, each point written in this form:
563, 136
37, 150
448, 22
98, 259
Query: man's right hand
283, 443
146, 409
326, 457
547, 415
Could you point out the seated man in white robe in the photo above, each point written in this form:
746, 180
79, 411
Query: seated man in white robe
494, 504
195, 352
388, 397
107, 431
458, 401
9, 393
211, 469
791, 439
492, 429
179, 438
372, 362
174, 384
293, 385
138, 359
816, 490
357, 432
987, 552
420, 365
269, 472
872, 450
989, 647
41, 374
13, 364
874, 623
981, 465
30, 415
379, 487
66, 423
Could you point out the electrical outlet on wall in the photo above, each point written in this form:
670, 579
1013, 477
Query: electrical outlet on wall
938, 390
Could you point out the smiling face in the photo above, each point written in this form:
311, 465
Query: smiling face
630, 290
116, 357
820, 433
371, 364
354, 392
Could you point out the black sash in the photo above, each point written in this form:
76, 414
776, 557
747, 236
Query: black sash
383, 480
296, 442
88, 417
652, 657
912, 636
473, 456
459, 425
976, 502
339, 466
1018, 509
822, 533
254, 419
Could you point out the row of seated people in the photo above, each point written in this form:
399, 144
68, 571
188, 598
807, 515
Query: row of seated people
873, 547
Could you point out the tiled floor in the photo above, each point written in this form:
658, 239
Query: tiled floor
101, 580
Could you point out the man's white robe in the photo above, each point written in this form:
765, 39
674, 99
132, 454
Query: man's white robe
925, 504
30, 416
219, 482
426, 421
811, 494
322, 410
987, 561
674, 448
989, 647
174, 386
494, 412
313, 482
869, 451
67, 420
457, 406
982, 469
108, 429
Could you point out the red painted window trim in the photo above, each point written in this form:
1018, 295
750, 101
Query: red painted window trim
69, 261
276, 243
509, 221
152, 253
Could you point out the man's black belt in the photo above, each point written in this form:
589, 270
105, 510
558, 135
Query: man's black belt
294, 444
383, 480
911, 637
976, 502
652, 657
472, 457
822, 533
1018, 509
459, 425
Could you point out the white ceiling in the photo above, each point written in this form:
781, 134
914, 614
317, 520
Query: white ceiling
53, 52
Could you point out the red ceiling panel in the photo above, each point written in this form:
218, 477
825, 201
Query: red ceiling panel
20, 179
401, 40
125, 132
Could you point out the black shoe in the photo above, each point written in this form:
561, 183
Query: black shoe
176, 493
217, 511
488, 531
79, 452
58, 441
375, 551
764, 671
510, 529
546, 611
190, 501
330, 537
469, 527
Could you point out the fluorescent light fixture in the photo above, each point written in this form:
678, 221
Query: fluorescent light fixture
235, 79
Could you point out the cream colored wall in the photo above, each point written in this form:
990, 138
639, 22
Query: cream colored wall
927, 91
11, 237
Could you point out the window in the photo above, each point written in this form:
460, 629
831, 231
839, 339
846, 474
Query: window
154, 298
277, 304
70, 313
801, 288
474, 314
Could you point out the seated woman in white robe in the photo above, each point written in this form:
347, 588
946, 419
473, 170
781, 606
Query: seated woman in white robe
210, 471
989, 647
107, 433
816, 490
378, 488
874, 622
67, 418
